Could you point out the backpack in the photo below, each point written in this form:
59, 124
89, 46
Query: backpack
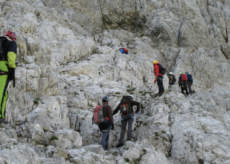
189, 76
174, 79
162, 70
125, 50
98, 117
184, 77
2, 48
125, 106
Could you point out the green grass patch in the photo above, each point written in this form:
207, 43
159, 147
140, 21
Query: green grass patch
126, 159
136, 161
131, 90
53, 138
117, 93
142, 106
36, 101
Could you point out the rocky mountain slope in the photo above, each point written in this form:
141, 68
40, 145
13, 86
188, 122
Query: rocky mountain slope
68, 59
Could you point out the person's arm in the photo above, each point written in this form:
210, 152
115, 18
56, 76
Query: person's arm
11, 55
117, 109
137, 104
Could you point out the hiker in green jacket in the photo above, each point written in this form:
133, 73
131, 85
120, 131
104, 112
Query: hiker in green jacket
127, 116
8, 51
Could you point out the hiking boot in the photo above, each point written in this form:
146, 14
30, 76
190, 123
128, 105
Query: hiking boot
106, 147
2, 120
119, 144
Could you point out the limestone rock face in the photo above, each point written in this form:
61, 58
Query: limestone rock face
68, 58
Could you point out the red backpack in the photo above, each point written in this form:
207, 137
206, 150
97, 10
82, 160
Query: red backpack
184, 77
125, 50
98, 117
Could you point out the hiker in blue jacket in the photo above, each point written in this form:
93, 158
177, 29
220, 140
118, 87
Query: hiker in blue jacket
189, 81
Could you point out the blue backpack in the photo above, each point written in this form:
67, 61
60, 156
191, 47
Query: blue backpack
189, 76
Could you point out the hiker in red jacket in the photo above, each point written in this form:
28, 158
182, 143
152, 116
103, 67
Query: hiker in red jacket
159, 71
183, 83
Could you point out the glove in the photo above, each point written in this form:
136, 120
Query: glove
112, 127
155, 80
11, 73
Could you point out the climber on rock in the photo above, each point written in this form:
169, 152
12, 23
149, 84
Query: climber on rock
107, 122
172, 78
127, 116
183, 83
123, 50
159, 71
189, 82
8, 51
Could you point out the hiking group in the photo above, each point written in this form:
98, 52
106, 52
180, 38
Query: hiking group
103, 117
185, 82
103, 114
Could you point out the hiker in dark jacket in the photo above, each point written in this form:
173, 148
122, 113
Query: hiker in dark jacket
183, 83
189, 81
126, 117
172, 78
107, 124
158, 77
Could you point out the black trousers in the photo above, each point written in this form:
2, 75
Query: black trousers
184, 88
160, 84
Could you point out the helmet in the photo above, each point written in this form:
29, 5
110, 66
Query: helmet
186, 72
105, 99
155, 62
181, 73
170, 73
129, 96
11, 35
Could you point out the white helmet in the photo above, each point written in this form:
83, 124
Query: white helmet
170, 73
130, 96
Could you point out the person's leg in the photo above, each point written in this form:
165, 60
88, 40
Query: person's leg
189, 87
182, 90
3, 94
185, 88
123, 128
159, 85
105, 136
130, 124
105, 139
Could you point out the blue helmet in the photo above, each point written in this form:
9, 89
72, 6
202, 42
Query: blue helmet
105, 99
